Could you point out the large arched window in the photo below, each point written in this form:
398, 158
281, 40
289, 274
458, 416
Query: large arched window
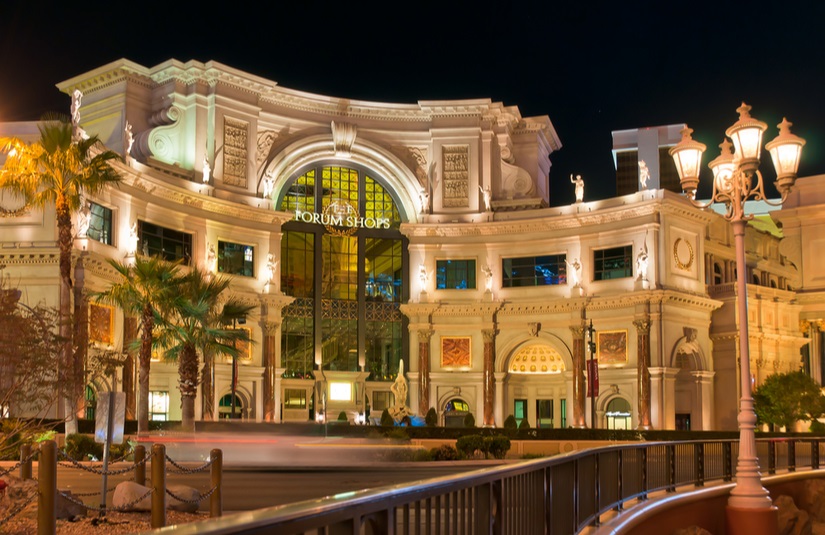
343, 259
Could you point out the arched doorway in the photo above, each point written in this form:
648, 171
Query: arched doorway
618, 414
535, 386
344, 260
455, 412
225, 407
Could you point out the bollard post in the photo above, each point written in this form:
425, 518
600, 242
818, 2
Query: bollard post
216, 500
25, 461
140, 466
47, 489
158, 486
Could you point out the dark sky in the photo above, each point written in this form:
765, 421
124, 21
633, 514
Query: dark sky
591, 67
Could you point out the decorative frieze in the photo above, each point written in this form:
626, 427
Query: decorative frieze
456, 180
235, 152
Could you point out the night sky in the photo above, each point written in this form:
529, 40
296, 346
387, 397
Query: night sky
592, 68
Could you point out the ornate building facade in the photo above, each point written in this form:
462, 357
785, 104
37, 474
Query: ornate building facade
367, 234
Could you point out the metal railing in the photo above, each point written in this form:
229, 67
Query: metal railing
558, 495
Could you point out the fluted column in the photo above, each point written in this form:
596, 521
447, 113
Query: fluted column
129, 334
643, 371
424, 336
269, 356
578, 377
489, 376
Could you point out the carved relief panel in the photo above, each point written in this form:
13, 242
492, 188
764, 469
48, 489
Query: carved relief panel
235, 152
456, 181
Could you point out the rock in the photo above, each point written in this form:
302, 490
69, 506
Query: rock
68, 509
186, 493
18, 492
792, 520
129, 491
817, 528
692, 530
812, 499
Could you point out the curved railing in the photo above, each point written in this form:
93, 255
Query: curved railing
558, 495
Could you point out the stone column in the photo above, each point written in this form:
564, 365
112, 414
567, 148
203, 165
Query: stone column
578, 377
814, 351
499, 411
129, 334
643, 371
424, 336
80, 353
271, 331
208, 388
489, 376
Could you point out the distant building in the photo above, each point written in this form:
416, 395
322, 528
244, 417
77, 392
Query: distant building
648, 145
371, 233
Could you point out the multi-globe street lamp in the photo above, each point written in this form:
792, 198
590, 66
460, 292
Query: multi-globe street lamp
736, 179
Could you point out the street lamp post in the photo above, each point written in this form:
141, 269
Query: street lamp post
736, 179
593, 375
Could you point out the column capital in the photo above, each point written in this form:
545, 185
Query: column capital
577, 330
270, 328
642, 325
488, 334
424, 335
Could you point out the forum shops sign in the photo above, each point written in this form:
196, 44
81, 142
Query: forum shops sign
341, 218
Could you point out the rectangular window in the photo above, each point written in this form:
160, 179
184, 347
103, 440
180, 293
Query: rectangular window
534, 271
340, 391
614, 263
159, 406
171, 245
455, 274
236, 259
100, 224
295, 398
563, 413
382, 399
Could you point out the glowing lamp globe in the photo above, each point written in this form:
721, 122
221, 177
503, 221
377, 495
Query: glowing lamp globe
687, 154
786, 150
746, 134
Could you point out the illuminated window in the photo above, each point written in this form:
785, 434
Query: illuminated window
171, 245
100, 224
295, 398
534, 271
159, 406
618, 414
236, 259
455, 274
340, 392
614, 263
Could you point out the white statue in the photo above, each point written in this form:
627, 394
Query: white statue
641, 262
207, 170
211, 258
422, 275
579, 182
84, 219
269, 185
424, 198
487, 195
399, 388
133, 241
130, 138
271, 267
488, 273
77, 132
644, 174
574, 272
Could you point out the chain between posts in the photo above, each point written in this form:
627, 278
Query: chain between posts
32, 455
184, 470
77, 464
124, 507
197, 500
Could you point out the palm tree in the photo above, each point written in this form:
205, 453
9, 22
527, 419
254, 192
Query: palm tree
58, 169
147, 291
200, 324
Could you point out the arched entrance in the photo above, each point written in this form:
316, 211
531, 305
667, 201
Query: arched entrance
618, 414
344, 261
535, 386
455, 412
225, 407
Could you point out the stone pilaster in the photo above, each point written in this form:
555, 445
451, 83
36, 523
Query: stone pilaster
271, 332
424, 336
489, 376
578, 377
643, 371
129, 334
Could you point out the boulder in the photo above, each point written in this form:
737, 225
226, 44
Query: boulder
692, 530
18, 492
792, 520
129, 491
67, 506
184, 492
812, 499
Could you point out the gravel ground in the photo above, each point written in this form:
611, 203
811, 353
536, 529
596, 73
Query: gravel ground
25, 523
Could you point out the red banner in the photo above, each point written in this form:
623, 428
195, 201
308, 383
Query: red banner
592, 378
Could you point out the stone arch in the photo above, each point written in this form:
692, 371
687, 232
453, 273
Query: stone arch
506, 353
687, 348
604, 400
246, 397
321, 147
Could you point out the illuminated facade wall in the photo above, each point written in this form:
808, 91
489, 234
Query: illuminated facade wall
370, 234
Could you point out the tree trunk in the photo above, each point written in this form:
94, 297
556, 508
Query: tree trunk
207, 388
188, 372
145, 358
68, 377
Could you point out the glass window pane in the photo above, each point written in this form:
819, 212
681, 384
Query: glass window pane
235, 259
455, 274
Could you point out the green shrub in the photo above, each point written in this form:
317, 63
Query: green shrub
83, 447
445, 453
342, 416
497, 446
431, 419
524, 425
386, 419
510, 423
423, 455
398, 433
469, 420
817, 427
470, 444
